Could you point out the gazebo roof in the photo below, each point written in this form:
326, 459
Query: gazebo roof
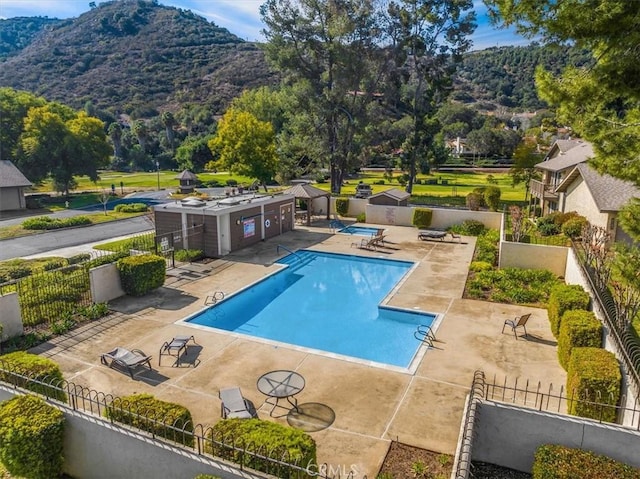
306, 192
186, 175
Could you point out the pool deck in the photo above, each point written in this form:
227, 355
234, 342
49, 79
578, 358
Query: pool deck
372, 405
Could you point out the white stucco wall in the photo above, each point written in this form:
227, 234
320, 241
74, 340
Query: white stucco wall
578, 198
442, 218
11, 198
533, 256
105, 283
10, 316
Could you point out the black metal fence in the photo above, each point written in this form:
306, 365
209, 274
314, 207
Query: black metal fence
197, 438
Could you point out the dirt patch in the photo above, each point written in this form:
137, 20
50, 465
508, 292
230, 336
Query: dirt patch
405, 462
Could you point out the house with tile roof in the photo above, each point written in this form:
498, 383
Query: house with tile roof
597, 197
12, 186
563, 156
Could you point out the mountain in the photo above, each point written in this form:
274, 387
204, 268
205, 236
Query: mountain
135, 57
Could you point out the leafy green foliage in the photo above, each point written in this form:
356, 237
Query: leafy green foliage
269, 437
31, 438
131, 208
49, 223
141, 273
512, 286
188, 255
477, 266
164, 419
474, 201
572, 228
565, 297
36, 368
470, 228
492, 197
577, 329
553, 461
342, 206
422, 217
106, 259
594, 378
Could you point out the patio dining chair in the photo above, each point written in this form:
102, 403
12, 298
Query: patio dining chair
518, 322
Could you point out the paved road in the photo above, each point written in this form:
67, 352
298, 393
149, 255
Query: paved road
53, 240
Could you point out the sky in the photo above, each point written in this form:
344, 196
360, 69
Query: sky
240, 17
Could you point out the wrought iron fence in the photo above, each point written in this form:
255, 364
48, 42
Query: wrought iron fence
200, 439
626, 342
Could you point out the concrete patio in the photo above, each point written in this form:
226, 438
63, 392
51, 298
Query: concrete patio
372, 405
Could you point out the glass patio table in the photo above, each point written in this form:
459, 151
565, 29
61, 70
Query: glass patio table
281, 384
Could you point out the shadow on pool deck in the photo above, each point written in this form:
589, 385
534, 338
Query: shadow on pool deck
370, 405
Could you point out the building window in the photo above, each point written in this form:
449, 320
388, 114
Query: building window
612, 223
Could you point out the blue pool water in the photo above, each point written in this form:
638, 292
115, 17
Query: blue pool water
359, 230
329, 302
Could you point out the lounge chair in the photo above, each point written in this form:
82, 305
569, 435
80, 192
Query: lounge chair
370, 243
431, 234
126, 359
234, 405
518, 322
175, 347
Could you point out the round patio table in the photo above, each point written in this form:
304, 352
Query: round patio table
281, 384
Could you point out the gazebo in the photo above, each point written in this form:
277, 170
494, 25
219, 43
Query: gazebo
308, 193
188, 181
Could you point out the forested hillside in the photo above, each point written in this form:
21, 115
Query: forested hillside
133, 57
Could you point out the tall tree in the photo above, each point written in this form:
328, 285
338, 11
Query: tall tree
14, 106
194, 153
601, 101
139, 128
115, 133
328, 48
169, 122
246, 146
523, 170
428, 39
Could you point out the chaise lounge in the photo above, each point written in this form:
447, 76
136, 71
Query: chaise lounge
431, 234
234, 405
126, 359
174, 348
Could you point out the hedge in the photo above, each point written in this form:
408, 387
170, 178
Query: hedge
160, 418
131, 208
268, 438
564, 297
578, 328
49, 223
142, 273
593, 376
491, 197
188, 255
553, 461
36, 368
422, 217
342, 206
31, 438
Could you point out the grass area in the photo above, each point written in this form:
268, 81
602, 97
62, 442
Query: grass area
144, 242
148, 180
15, 231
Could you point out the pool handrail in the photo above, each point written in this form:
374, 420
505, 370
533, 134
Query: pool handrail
425, 334
287, 249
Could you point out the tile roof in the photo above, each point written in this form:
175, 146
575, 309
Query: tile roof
609, 193
571, 157
10, 176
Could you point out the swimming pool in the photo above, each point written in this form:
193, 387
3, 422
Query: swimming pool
328, 302
359, 230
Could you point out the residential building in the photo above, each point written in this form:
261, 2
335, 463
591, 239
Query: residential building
12, 186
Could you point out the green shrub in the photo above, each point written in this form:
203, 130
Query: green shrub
31, 438
232, 182
51, 265
491, 197
188, 255
480, 266
512, 285
49, 223
593, 377
36, 368
342, 206
474, 201
486, 249
548, 229
378, 182
469, 228
553, 461
142, 273
79, 258
131, 208
577, 329
270, 438
17, 272
572, 228
106, 259
160, 418
206, 476
93, 311
361, 218
422, 217
565, 297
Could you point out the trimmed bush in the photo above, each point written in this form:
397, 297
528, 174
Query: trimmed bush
342, 206
31, 438
477, 266
232, 182
564, 297
141, 274
36, 368
553, 461
572, 228
188, 255
491, 197
49, 223
469, 228
578, 329
131, 208
160, 418
79, 258
593, 377
361, 218
422, 217
271, 439
474, 201
107, 259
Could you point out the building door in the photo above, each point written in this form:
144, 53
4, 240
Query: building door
286, 218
